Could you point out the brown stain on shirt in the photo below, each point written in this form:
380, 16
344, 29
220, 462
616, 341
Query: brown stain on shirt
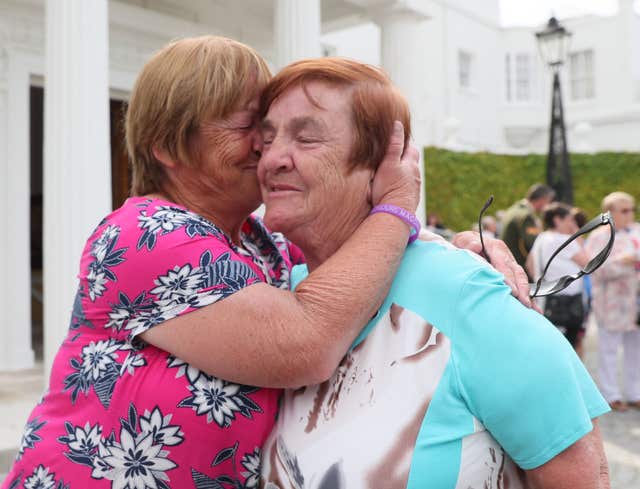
391, 472
312, 418
394, 315
424, 338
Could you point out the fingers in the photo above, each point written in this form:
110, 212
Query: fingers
536, 307
515, 276
504, 263
411, 155
468, 240
396, 143
522, 284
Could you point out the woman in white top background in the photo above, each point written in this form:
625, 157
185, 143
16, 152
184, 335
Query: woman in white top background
564, 309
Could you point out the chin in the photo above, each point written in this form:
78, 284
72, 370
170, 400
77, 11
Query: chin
278, 221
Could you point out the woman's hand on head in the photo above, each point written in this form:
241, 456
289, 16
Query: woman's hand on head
501, 259
397, 180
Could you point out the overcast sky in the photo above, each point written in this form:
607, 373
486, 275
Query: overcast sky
535, 12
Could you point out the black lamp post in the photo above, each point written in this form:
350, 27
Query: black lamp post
553, 42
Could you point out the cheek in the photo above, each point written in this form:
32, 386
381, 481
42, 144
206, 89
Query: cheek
229, 148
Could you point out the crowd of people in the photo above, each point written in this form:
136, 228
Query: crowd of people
534, 228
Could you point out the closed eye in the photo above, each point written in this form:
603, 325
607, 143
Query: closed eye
306, 140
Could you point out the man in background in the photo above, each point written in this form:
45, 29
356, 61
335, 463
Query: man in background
522, 225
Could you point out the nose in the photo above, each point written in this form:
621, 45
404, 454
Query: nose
276, 156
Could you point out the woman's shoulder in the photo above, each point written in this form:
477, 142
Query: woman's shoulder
150, 224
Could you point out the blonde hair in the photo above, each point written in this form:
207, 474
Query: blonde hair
610, 201
185, 83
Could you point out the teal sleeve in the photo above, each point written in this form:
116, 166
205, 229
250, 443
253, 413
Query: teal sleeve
518, 374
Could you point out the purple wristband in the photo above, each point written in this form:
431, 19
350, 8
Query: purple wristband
403, 214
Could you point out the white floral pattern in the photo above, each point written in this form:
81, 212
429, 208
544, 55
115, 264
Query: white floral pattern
130, 421
251, 462
106, 256
137, 460
30, 436
220, 401
40, 479
99, 368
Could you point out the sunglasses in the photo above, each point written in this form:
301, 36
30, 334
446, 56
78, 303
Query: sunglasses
549, 287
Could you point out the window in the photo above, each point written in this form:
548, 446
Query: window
519, 77
523, 77
465, 66
581, 75
507, 76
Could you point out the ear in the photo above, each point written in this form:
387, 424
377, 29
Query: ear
163, 156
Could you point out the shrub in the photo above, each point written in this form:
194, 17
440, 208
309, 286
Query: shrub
458, 184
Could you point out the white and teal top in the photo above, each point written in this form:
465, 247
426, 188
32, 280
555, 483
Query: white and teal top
454, 384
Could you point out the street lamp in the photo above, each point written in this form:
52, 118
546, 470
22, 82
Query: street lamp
553, 42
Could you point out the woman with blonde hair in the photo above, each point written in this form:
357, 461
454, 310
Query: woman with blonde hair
615, 286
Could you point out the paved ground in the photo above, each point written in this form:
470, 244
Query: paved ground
621, 432
19, 392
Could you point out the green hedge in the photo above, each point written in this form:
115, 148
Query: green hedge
458, 184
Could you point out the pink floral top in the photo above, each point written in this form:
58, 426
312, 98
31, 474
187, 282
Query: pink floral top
615, 284
119, 413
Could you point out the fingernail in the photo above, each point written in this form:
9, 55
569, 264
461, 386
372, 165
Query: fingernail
397, 126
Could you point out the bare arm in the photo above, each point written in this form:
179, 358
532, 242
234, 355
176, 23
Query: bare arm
269, 337
581, 466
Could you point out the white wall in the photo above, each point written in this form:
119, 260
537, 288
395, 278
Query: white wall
135, 33
486, 120
612, 113
474, 107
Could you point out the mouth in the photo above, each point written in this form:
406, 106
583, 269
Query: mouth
281, 187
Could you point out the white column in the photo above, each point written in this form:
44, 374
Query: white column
15, 291
402, 57
297, 30
77, 162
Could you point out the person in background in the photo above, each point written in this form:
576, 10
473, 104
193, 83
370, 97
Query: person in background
489, 226
564, 309
521, 224
500, 213
615, 286
581, 219
435, 225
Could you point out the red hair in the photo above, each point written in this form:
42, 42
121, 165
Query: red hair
375, 102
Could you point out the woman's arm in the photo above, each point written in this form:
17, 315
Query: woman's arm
581, 466
265, 336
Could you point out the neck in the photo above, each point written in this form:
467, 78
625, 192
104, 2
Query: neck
227, 217
321, 238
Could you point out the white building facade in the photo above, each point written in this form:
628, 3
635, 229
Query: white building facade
66, 66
